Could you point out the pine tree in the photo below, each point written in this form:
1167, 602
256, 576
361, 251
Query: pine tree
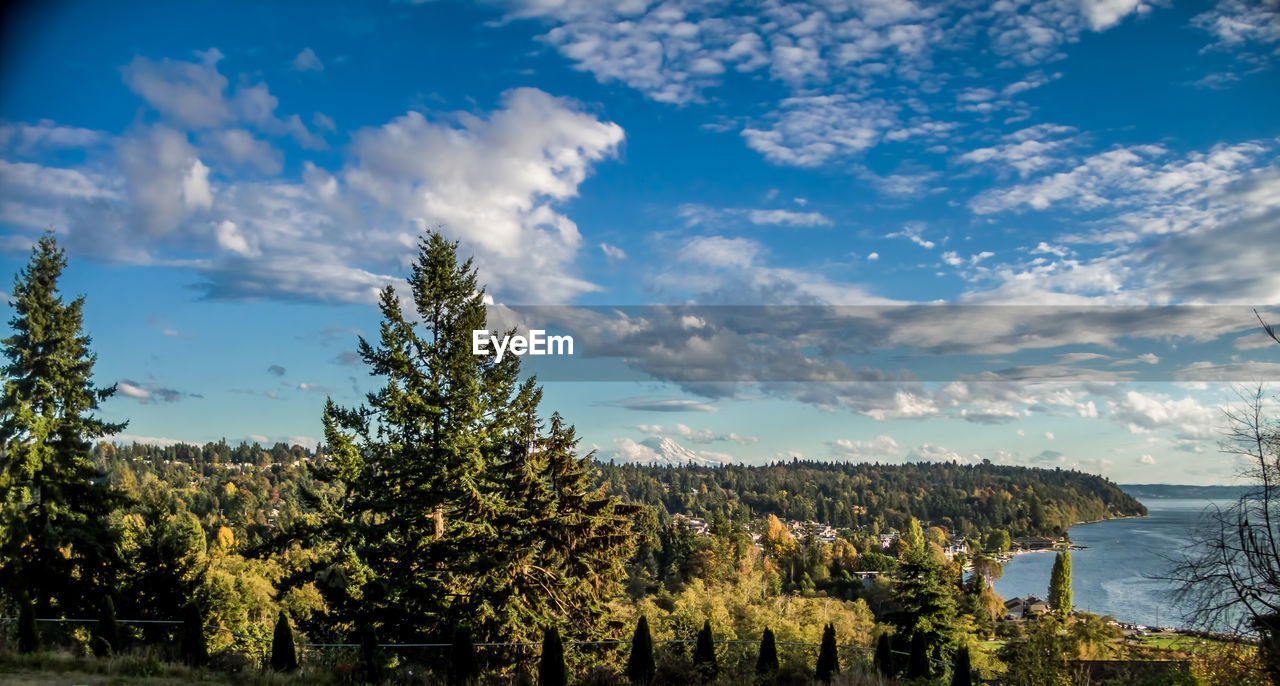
106, 634
918, 662
704, 654
640, 663
28, 633
883, 659
55, 534
193, 648
962, 673
828, 659
551, 668
451, 488
767, 660
284, 656
464, 668
1060, 585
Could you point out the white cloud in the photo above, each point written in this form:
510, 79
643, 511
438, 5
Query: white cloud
930, 452
46, 135
1147, 412
492, 182
612, 253
696, 435
1147, 459
306, 60
788, 218
880, 447
873, 256
913, 231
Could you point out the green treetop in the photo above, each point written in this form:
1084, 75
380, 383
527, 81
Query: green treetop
55, 505
455, 502
1060, 585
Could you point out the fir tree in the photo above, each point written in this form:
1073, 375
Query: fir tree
640, 663
767, 660
193, 649
551, 668
828, 659
55, 505
962, 673
883, 659
918, 662
106, 633
284, 656
704, 654
1060, 585
28, 633
464, 668
449, 485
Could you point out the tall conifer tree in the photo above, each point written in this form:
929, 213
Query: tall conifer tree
767, 660
551, 668
1060, 585
828, 659
456, 503
56, 539
640, 663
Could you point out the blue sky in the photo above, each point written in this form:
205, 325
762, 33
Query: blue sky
234, 181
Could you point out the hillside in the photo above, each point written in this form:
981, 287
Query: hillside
967, 499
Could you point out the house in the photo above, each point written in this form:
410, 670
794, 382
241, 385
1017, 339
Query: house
1035, 543
1021, 608
886, 540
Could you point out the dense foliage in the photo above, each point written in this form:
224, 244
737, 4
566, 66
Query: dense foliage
966, 499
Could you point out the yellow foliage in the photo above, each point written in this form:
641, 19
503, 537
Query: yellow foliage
226, 538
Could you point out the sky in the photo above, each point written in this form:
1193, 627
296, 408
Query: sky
866, 230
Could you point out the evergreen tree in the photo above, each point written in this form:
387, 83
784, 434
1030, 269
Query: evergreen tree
106, 634
28, 633
704, 654
56, 539
284, 656
962, 672
918, 662
767, 660
883, 659
925, 592
468, 507
193, 648
464, 668
640, 663
828, 658
551, 668
1060, 585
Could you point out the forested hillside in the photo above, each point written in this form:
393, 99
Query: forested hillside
966, 499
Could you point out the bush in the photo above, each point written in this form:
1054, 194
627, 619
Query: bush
464, 668
28, 634
193, 649
106, 634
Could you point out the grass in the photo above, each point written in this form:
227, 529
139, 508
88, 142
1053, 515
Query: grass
132, 669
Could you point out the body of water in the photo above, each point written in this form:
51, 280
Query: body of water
1110, 576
